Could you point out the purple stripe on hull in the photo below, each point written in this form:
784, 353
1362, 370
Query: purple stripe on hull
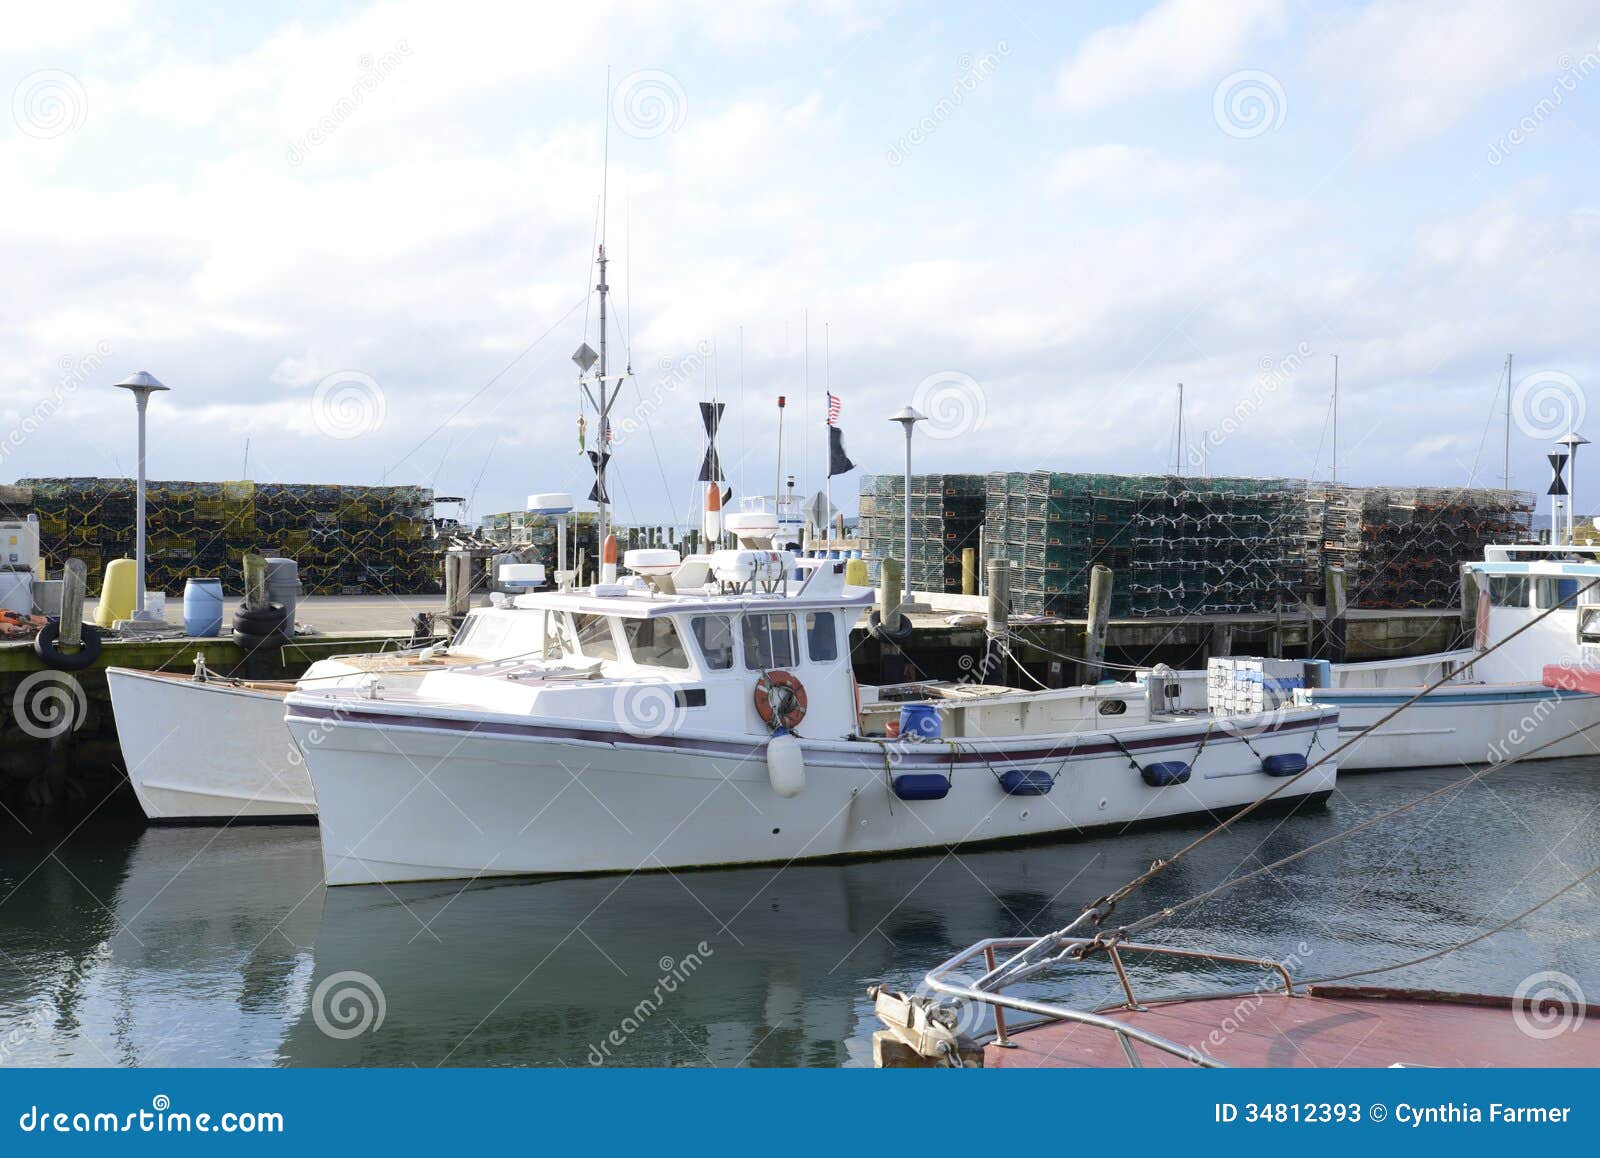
906, 752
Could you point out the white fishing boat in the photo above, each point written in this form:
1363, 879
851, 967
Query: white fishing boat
1536, 611
206, 748
714, 720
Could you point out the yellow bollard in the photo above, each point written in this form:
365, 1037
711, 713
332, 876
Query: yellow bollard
855, 573
118, 592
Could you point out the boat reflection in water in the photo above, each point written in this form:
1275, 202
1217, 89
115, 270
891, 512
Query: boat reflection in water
199, 955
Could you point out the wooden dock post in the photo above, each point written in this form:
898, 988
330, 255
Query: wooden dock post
1333, 613
1469, 605
891, 660
255, 580
969, 571
999, 620
74, 587
1094, 636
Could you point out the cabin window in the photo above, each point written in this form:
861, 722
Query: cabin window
714, 633
655, 643
770, 641
594, 636
1508, 590
822, 638
1589, 625
481, 634
1551, 591
559, 642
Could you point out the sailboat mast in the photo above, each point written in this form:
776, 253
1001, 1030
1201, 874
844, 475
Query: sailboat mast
1177, 450
1505, 477
1333, 472
601, 518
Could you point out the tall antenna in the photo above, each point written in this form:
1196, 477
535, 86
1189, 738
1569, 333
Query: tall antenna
246, 473
1333, 473
1505, 478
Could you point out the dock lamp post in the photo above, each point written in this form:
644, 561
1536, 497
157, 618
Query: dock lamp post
1571, 441
142, 384
908, 417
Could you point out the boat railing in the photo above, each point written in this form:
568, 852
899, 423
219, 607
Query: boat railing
1035, 955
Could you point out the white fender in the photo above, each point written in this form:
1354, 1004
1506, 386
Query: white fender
786, 765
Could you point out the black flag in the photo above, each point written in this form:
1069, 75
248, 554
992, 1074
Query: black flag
1558, 468
596, 494
711, 466
838, 461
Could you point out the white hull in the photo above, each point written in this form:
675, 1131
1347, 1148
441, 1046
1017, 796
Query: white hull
207, 751
1459, 725
406, 797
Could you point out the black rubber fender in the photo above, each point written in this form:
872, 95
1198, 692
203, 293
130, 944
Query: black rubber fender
45, 644
875, 622
268, 620
250, 642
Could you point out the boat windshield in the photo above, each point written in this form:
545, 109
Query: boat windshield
595, 639
655, 643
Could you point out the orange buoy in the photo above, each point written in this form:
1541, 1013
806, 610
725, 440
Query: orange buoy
711, 521
608, 560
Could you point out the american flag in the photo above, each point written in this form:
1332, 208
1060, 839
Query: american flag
833, 409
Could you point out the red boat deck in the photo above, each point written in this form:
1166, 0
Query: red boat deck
1329, 1026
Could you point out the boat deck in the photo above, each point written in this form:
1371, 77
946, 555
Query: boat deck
1327, 1027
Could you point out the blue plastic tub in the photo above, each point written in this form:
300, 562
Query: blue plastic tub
202, 607
920, 722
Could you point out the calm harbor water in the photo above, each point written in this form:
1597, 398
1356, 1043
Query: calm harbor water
128, 946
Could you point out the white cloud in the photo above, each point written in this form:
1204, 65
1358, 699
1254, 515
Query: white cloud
1414, 69
1174, 46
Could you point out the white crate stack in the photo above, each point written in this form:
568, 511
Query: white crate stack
1245, 685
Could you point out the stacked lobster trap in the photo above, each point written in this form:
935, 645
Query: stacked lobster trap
1401, 547
348, 540
1189, 546
947, 517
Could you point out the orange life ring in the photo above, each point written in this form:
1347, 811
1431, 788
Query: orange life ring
780, 699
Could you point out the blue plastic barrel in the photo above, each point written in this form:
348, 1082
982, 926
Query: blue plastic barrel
202, 607
920, 722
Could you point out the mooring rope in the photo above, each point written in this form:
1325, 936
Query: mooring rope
1100, 909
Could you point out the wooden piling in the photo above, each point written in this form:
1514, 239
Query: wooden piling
1094, 636
74, 587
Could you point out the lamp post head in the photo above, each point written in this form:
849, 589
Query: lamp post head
1572, 441
908, 417
142, 384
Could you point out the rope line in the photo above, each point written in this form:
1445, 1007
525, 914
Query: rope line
1102, 907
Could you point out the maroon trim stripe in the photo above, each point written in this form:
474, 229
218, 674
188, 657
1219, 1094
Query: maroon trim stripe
907, 753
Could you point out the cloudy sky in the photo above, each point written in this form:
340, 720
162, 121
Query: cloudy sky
360, 236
